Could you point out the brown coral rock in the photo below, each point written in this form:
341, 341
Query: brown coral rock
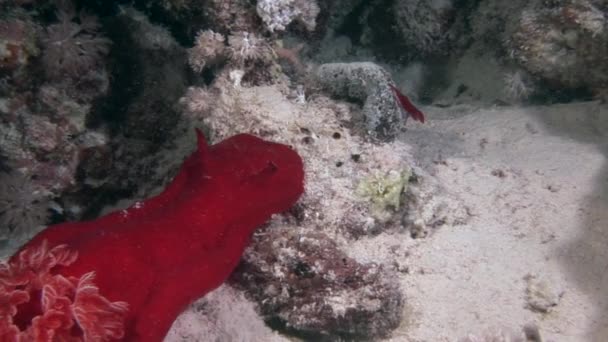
311, 287
560, 43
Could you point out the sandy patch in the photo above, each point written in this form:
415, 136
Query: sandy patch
535, 182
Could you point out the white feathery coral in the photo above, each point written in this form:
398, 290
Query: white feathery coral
245, 46
517, 86
278, 14
74, 45
209, 48
23, 207
197, 101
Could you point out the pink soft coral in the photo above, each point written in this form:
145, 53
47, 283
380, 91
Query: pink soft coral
63, 308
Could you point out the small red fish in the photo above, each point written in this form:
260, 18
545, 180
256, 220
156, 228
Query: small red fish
407, 105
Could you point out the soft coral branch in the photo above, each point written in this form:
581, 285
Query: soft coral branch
73, 45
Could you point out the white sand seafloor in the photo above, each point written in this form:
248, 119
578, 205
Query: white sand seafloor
535, 183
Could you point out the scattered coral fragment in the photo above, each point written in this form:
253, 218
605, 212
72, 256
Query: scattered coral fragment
541, 295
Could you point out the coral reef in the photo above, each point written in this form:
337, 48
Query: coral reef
278, 14
230, 16
558, 43
245, 46
23, 208
308, 284
491, 22
17, 43
423, 26
400, 30
149, 75
73, 46
554, 41
339, 155
44, 138
245, 54
45, 103
338, 158
208, 50
93, 110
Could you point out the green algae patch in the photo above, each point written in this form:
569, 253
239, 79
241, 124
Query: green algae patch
384, 192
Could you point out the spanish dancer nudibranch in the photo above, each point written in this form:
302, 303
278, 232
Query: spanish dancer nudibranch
126, 276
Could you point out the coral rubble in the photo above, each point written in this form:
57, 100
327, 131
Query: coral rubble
309, 285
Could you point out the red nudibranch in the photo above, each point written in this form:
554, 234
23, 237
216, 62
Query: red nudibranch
127, 275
